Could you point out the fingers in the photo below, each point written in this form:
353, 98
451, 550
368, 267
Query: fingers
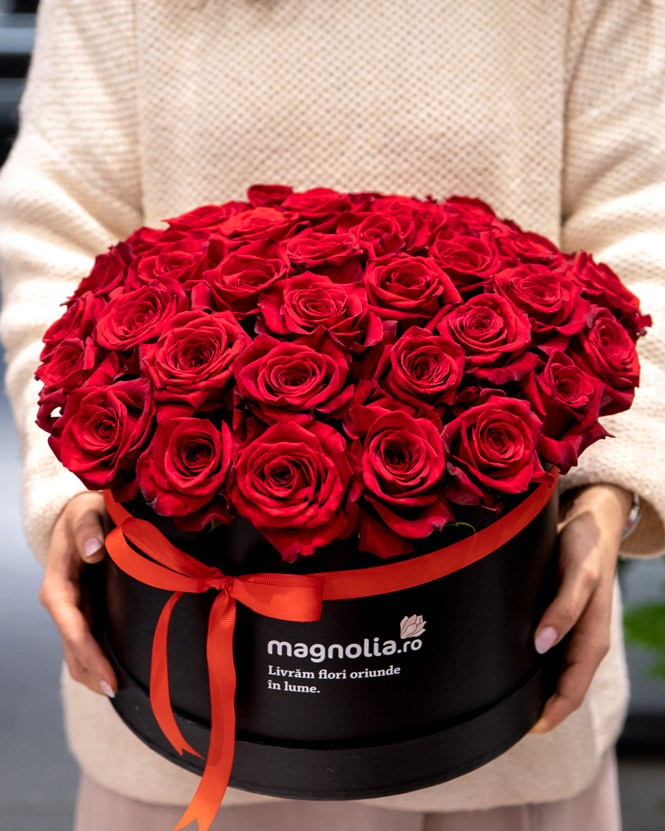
61, 594
588, 645
582, 609
86, 528
83, 655
580, 577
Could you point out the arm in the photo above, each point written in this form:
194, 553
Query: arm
613, 205
69, 189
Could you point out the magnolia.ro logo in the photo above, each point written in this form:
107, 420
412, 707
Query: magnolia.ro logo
411, 627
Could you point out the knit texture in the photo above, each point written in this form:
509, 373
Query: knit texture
137, 111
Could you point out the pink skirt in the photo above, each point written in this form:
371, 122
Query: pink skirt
595, 809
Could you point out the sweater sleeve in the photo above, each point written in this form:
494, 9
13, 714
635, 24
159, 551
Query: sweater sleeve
614, 205
69, 189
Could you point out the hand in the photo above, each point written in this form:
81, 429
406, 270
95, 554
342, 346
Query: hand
77, 539
589, 538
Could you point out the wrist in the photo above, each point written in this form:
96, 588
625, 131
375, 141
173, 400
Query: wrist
611, 503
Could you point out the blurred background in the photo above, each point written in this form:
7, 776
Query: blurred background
38, 776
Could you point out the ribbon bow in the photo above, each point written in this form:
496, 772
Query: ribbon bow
283, 596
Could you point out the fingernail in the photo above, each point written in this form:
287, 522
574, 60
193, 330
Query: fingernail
107, 689
539, 727
91, 547
545, 639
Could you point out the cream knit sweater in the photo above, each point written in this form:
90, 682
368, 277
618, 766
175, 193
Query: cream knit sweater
136, 110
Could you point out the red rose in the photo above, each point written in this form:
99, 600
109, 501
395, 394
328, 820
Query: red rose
143, 239
295, 485
493, 446
413, 217
140, 316
405, 288
469, 262
362, 200
77, 322
401, 462
473, 217
69, 364
607, 351
281, 316
108, 272
518, 247
317, 204
182, 257
206, 216
186, 465
311, 304
602, 286
259, 224
239, 279
72, 364
192, 362
494, 335
567, 401
335, 255
552, 301
261, 196
102, 432
421, 368
376, 233
291, 381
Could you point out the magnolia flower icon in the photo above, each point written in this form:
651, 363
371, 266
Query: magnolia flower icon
411, 627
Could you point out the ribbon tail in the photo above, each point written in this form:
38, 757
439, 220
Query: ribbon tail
219, 761
159, 681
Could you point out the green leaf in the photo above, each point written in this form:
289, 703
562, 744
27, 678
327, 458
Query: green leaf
460, 525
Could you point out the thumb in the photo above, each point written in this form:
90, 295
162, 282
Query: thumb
86, 527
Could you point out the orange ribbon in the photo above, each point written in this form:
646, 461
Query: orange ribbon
281, 596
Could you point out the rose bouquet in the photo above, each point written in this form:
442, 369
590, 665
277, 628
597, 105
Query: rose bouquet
301, 369
327, 364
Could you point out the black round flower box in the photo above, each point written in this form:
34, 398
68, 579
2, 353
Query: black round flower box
382, 695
